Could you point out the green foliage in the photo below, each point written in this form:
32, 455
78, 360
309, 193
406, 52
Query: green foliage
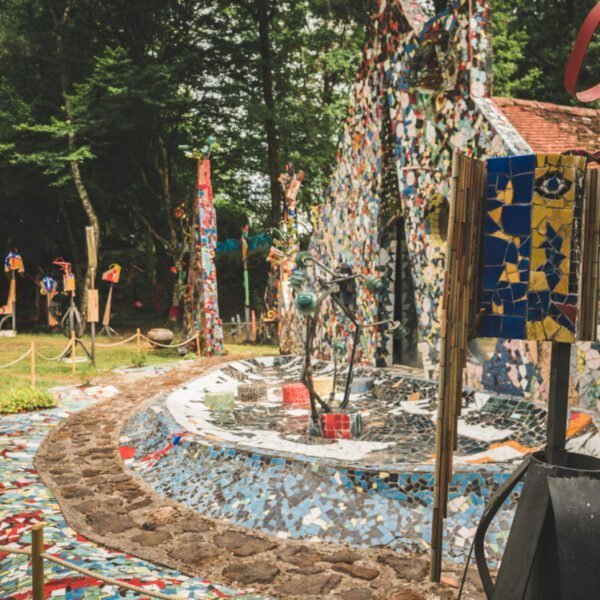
231, 219
138, 359
532, 42
24, 399
230, 274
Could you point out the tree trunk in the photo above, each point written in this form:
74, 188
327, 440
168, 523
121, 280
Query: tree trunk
92, 218
264, 16
75, 171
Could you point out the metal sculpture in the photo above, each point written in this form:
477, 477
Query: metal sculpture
340, 288
582, 43
111, 276
71, 320
244, 246
13, 264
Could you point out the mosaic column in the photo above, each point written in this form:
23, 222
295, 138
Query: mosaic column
210, 321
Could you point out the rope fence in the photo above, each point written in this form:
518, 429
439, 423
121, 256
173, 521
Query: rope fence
38, 555
16, 361
121, 343
69, 354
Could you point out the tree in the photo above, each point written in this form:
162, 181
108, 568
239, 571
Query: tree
532, 42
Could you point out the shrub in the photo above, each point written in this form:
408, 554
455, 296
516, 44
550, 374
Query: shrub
26, 399
138, 359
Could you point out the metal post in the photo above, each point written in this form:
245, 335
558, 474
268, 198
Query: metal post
37, 561
558, 403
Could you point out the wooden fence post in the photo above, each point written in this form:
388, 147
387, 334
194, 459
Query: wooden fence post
138, 340
198, 343
32, 361
37, 561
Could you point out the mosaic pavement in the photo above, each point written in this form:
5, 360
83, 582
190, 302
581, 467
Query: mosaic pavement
24, 501
255, 466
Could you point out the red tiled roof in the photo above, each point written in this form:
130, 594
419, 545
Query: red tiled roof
550, 127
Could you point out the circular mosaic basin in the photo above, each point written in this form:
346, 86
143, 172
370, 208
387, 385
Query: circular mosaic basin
255, 464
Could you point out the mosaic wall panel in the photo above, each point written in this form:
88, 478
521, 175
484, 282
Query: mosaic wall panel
426, 80
394, 89
530, 247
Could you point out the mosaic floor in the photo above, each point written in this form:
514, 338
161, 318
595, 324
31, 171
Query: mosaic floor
256, 467
24, 501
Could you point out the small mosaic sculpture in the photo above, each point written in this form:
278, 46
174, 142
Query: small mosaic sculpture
71, 320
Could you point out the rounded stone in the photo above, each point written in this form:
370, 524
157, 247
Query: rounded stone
160, 335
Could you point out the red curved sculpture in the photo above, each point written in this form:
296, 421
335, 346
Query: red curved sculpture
582, 43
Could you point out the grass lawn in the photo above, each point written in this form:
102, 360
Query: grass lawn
51, 374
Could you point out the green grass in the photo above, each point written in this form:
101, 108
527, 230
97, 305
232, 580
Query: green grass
50, 374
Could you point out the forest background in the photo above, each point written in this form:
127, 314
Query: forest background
98, 96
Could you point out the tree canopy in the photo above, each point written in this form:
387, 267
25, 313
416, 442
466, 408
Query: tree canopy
97, 96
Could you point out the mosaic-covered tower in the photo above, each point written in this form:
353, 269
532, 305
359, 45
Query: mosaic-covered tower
422, 92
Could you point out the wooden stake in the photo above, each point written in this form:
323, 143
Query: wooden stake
198, 344
33, 365
37, 561
138, 339
73, 351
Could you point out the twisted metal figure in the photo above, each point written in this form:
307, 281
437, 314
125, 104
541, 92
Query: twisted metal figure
341, 288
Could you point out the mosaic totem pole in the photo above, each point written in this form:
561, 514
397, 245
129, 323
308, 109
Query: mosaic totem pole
202, 299
287, 247
523, 264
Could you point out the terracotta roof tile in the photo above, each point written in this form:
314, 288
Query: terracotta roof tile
550, 127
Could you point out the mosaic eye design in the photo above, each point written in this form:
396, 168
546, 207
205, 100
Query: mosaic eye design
529, 288
552, 185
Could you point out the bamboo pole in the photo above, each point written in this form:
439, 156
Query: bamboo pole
37, 561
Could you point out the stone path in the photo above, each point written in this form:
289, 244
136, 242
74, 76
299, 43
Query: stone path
25, 501
106, 503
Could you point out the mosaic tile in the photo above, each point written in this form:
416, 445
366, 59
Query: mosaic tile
529, 281
259, 468
25, 501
